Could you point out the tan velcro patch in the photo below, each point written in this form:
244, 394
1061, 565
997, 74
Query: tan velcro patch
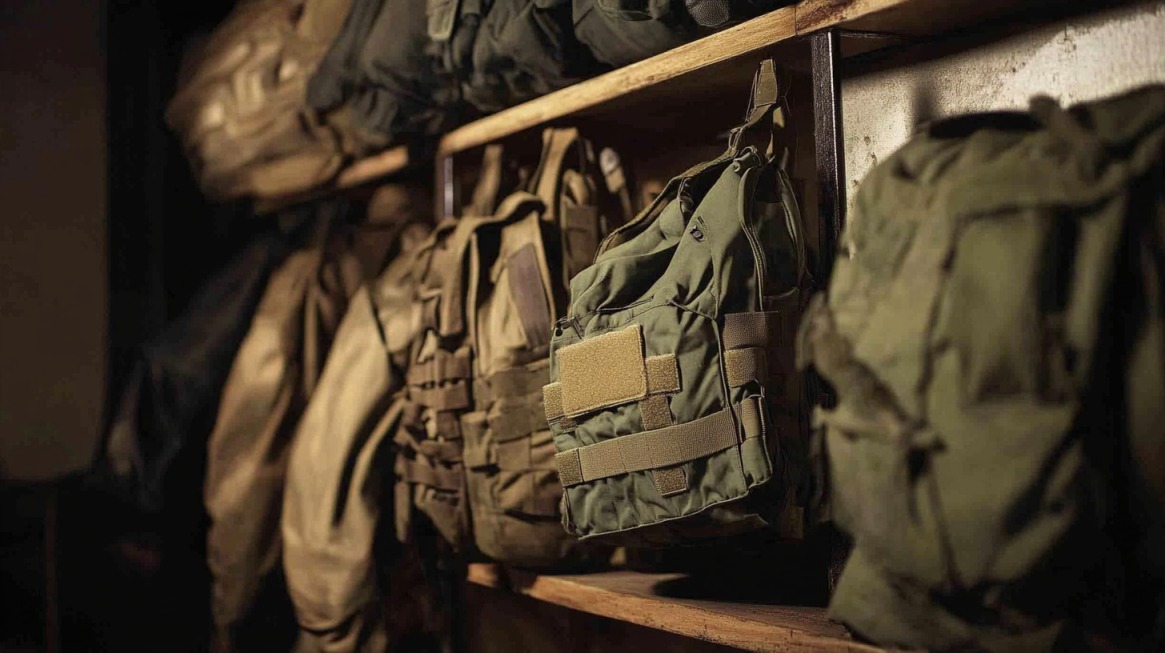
744, 365
670, 480
655, 412
746, 330
569, 468
552, 400
601, 372
663, 374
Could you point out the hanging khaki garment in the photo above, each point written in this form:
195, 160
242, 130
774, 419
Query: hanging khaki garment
335, 489
273, 376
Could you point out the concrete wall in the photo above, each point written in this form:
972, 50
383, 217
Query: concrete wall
1073, 60
53, 272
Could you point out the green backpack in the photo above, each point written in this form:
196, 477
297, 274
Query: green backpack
973, 334
669, 400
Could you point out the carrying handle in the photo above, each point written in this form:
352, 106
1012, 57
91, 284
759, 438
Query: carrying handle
766, 108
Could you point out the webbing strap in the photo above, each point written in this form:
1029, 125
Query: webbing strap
746, 364
517, 422
528, 292
552, 401
659, 448
489, 181
419, 473
655, 413
447, 397
663, 374
556, 143
748, 329
446, 452
443, 366
515, 382
580, 237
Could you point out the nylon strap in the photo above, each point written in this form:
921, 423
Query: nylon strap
446, 397
528, 291
517, 422
748, 329
552, 401
746, 364
655, 413
419, 473
663, 374
443, 366
517, 382
556, 144
448, 452
660, 448
489, 181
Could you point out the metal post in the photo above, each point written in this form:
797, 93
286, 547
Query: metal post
446, 189
830, 148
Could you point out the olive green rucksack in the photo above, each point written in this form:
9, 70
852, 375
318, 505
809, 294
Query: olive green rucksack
505, 52
975, 335
476, 452
620, 32
669, 401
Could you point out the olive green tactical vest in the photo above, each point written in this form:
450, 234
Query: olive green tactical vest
976, 332
475, 448
668, 370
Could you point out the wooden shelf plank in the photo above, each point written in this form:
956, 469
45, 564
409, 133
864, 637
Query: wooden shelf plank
724, 46
636, 598
378, 165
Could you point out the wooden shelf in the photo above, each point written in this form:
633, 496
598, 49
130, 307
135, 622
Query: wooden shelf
639, 598
705, 61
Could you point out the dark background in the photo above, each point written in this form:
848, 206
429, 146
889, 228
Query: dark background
105, 238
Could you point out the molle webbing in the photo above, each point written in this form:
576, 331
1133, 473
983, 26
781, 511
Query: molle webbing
442, 398
747, 339
660, 448
511, 383
419, 472
442, 367
608, 371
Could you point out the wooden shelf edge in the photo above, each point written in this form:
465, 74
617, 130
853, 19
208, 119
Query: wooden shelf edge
801, 19
752, 35
626, 596
385, 163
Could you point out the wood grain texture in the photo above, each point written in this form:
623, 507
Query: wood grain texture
385, 163
905, 17
639, 598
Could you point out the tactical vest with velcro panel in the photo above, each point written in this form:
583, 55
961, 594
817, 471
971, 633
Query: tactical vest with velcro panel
977, 332
666, 369
518, 266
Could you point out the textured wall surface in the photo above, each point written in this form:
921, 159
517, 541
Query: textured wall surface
53, 271
1072, 60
